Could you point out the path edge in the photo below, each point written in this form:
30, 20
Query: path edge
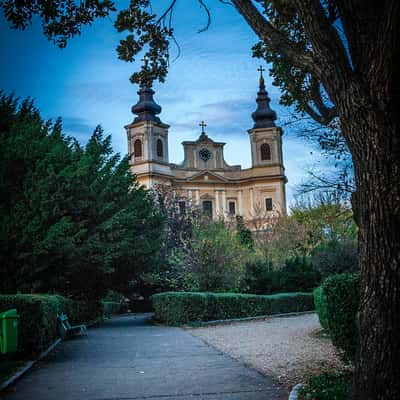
28, 366
246, 319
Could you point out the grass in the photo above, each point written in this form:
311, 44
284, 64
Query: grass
327, 386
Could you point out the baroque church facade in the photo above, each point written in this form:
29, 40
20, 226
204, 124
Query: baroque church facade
204, 179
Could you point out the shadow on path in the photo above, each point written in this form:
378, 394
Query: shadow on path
127, 358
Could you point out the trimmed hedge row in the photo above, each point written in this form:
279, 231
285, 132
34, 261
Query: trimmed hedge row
339, 301
177, 308
320, 307
38, 318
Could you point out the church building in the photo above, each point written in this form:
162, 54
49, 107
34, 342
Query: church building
204, 179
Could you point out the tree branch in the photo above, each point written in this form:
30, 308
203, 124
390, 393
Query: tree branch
276, 39
330, 54
326, 114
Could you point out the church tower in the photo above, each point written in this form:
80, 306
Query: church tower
148, 141
204, 179
265, 136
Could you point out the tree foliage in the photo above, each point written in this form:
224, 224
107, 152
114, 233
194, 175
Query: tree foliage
61, 19
72, 218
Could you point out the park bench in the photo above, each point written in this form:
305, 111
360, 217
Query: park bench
66, 329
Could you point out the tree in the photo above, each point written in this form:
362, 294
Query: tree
72, 219
338, 180
243, 233
332, 59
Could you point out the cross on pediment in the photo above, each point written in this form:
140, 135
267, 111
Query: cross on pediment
202, 124
261, 70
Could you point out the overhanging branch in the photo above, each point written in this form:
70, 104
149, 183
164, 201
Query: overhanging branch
276, 39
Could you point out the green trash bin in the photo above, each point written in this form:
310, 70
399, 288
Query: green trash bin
9, 331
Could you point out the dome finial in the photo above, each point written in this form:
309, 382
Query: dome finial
263, 117
261, 70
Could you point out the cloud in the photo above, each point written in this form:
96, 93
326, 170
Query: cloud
78, 127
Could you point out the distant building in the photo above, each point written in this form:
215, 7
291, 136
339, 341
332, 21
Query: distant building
204, 179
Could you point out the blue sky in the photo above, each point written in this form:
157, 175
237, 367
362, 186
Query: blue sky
215, 79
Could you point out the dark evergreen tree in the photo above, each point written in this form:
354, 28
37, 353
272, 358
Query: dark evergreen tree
73, 219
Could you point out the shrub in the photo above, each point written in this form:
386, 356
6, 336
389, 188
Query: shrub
296, 275
38, 318
327, 386
342, 295
336, 257
177, 308
320, 307
210, 258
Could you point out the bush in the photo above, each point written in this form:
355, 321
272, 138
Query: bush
336, 257
327, 386
177, 308
38, 318
342, 296
320, 307
296, 275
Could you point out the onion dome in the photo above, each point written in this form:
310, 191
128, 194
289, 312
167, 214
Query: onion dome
146, 108
263, 117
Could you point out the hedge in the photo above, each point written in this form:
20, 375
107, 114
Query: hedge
341, 294
177, 308
38, 318
320, 307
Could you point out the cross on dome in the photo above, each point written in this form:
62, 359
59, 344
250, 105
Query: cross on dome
263, 117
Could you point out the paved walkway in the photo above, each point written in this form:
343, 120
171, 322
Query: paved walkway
126, 358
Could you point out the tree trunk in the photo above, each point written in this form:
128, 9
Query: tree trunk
374, 138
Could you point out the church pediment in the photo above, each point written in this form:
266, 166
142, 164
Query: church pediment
207, 176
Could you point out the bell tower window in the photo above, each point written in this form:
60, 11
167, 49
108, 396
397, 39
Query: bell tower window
268, 204
137, 148
265, 150
160, 150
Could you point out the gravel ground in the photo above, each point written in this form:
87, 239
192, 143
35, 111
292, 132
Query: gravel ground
287, 348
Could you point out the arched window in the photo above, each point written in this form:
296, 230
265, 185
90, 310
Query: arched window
265, 152
160, 150
137, 148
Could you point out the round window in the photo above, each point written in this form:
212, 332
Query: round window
205, 154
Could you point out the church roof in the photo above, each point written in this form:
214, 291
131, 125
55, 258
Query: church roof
264, 116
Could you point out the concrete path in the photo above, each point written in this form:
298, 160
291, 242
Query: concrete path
126, 358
